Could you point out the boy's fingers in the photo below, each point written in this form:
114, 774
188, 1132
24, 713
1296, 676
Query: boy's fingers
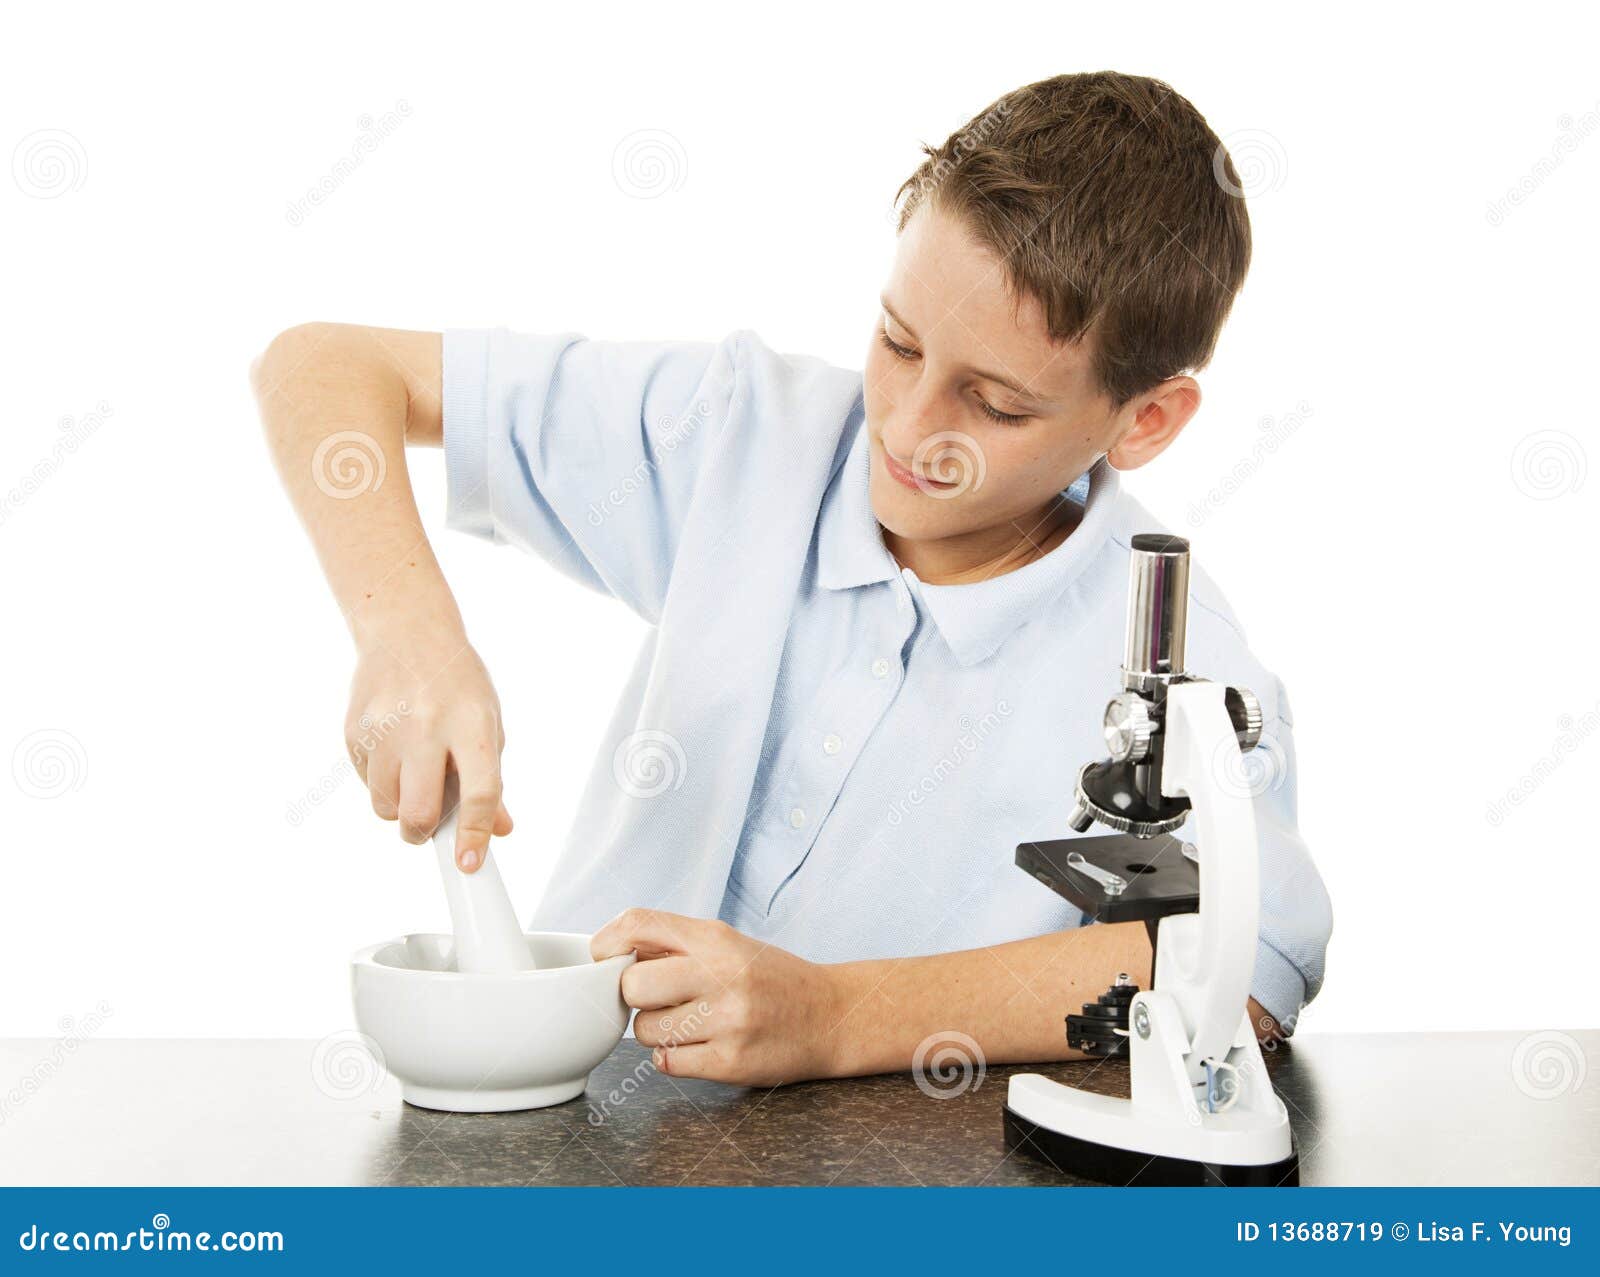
696, 1059
480, 807
421, 792
676, 1025
383, 783
662, 982
647, 930
502, 822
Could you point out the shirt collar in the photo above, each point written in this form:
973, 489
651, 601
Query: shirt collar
850, 548
974, 618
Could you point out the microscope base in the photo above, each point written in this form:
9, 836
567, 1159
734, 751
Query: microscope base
1107, 1164
1168, 1133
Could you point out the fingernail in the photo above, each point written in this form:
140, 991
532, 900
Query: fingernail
469, 860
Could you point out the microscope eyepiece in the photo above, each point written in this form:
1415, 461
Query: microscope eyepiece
1158, 609
1160, 543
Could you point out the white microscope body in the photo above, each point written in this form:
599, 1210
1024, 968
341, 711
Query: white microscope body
1203, 1109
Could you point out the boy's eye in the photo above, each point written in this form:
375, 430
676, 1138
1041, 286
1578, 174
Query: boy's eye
894, 347
907, 354
994, 414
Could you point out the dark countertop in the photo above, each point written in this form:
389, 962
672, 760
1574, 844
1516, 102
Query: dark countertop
1423, 1109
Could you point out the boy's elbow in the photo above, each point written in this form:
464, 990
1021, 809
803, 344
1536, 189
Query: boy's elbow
290, 350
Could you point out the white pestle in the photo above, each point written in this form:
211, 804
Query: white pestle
488, 937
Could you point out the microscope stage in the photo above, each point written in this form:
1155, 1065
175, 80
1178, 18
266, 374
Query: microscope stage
1159, 879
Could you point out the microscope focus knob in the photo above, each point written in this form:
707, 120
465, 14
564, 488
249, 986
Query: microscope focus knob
1129, 728
1245, 711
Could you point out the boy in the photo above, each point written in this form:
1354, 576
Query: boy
885, 607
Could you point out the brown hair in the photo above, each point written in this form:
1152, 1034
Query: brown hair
1111, 201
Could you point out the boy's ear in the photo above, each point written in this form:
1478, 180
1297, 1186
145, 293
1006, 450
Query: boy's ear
1154, 420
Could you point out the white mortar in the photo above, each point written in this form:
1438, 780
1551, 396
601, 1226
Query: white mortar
489, 1043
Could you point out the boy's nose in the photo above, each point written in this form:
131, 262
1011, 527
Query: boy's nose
912, 422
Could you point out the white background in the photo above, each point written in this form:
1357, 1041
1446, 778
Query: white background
1413, 552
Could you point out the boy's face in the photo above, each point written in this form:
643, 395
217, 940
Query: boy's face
950, 351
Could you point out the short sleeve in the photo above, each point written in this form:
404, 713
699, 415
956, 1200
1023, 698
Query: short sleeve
584, 453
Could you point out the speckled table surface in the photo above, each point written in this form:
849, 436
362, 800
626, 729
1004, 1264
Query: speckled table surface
1452, 1108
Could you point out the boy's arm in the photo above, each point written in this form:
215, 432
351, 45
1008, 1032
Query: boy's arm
339, 403
1010, 998
728, 1007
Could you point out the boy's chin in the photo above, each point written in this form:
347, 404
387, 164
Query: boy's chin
916, 516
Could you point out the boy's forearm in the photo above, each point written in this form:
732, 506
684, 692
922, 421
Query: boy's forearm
1010, 998
336, 403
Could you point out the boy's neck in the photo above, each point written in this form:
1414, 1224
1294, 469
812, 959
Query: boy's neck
989, 552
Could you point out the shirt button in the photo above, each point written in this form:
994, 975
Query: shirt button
831, 744
880, 668
797, 817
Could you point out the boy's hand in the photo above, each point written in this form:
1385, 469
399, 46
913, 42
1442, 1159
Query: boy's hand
418, 709
717, 1004
422, 702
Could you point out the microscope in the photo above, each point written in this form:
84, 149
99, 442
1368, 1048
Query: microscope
1203, 1110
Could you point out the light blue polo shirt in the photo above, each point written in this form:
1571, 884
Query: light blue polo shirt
814, 745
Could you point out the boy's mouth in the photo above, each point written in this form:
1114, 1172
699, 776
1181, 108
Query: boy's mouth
906, 477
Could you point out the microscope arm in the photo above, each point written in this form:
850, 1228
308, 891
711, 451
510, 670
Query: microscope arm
1211, 978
